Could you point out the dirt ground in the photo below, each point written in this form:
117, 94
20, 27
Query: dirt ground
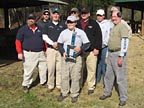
11, 95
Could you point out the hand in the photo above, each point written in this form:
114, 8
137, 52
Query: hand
20, 56
106, 60
64, 55
95, 51
120, 61
55, 45
77, 49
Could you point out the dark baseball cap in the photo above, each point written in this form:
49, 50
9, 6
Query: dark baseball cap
46, 11
56, 10
85, 10
31, 16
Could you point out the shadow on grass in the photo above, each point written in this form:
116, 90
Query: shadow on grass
6, 62
35, 82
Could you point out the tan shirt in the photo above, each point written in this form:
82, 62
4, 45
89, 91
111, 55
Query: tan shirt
117, 33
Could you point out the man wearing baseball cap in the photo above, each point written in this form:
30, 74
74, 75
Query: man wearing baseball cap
74, 11
71, 42
45, 18
93, 31
105, 26
30, 48
51, 33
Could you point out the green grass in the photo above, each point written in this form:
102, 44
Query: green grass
12, 96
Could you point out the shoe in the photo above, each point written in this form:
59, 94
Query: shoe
122, 103
61, 98
25, 89
49, 90
74, 99
90, 92
44, 84
104, 97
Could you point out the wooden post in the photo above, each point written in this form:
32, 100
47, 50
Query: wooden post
142, 28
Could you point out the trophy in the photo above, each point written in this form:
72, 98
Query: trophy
71, 54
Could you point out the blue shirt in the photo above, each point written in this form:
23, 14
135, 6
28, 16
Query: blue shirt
31, 40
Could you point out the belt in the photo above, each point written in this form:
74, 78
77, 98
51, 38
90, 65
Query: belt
33, 50
114, 50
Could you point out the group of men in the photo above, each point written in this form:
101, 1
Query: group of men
64, 49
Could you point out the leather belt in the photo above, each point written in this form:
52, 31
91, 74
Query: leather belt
33, 50
114, 50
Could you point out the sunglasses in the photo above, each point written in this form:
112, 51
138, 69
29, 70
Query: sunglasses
46, 14
73, 12
70, 22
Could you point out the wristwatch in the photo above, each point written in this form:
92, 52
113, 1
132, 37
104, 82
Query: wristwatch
121, 56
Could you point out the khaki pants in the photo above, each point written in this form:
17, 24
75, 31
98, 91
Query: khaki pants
71, 71
90, 60
54, 68
32, 60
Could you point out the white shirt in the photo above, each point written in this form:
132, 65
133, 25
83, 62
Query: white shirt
66, 36
105, 26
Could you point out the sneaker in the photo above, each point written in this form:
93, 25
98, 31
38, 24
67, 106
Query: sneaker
104, 97
90, 92
74, 99
122, 103
25, 89
61, 98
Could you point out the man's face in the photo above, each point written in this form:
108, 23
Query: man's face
85, 16
55, 16
46, 15
100, 18
74, 13
115, 18
31, 22
71, 25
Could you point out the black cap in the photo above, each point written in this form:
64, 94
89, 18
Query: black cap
56, 10
46, 10
85, 10
31, 16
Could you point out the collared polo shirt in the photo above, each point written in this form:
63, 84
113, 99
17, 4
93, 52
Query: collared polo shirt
66, 37
53, 30
117, 33
31, 40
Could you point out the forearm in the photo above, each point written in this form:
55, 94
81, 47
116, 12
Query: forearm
47, 39
124, 46
18, 46
60, 48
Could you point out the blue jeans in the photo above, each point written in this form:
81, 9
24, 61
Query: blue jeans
101, 65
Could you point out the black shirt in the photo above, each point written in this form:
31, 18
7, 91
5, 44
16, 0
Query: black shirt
94, 34
53, 31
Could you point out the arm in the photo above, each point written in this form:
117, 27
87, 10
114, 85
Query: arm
124, 47
97, 42
60, 48
47, 39
19, 49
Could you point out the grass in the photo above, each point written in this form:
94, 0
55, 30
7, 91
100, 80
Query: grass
11, 95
